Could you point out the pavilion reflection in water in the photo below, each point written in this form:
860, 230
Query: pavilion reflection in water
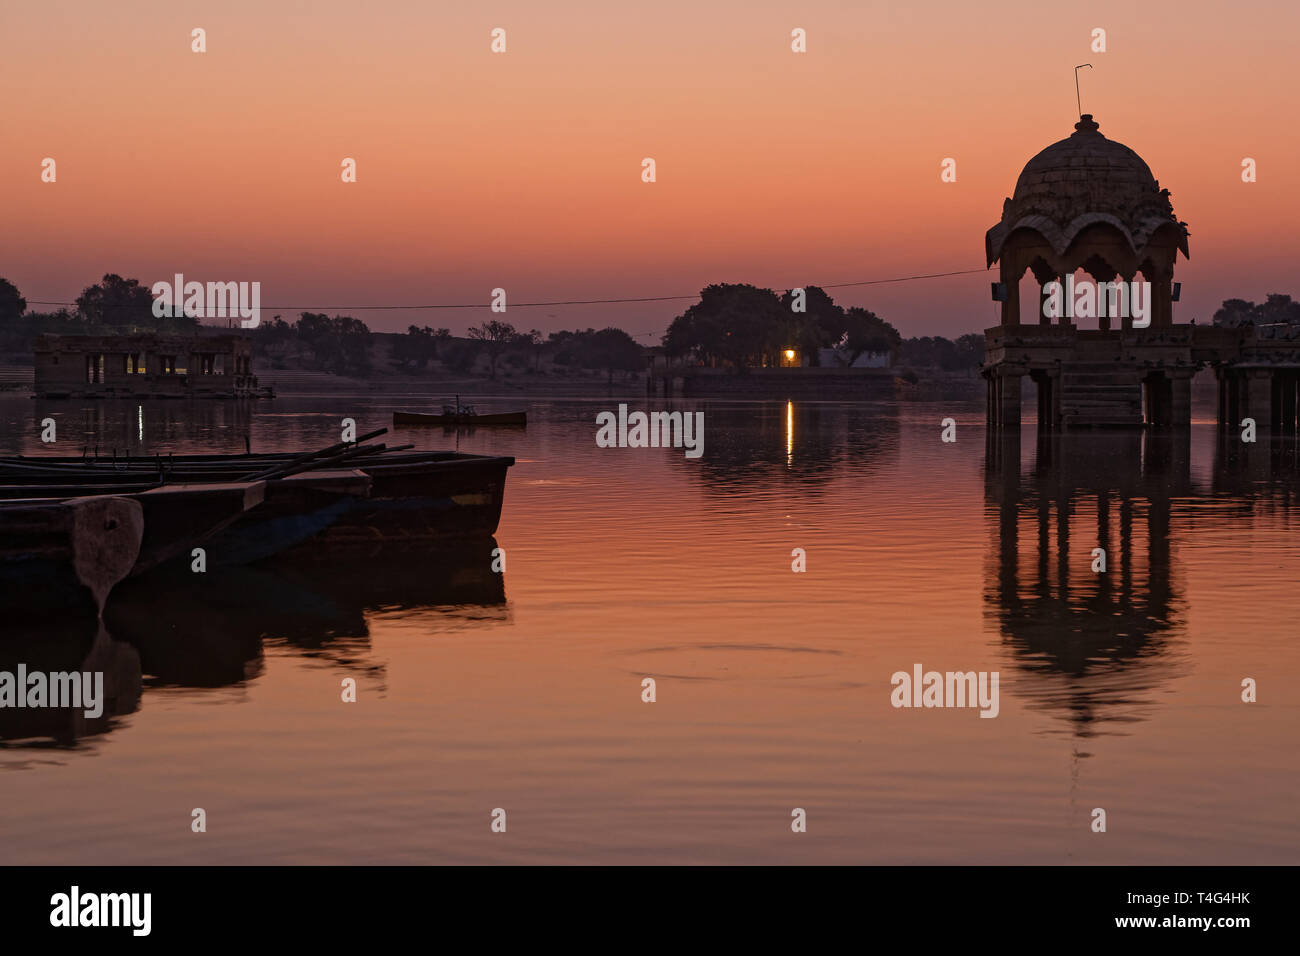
1092, 647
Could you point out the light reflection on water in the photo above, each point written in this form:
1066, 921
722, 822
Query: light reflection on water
523, 690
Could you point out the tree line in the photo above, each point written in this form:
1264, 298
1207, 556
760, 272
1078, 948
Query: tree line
610, 350
1275, 310
732, 324
113, 304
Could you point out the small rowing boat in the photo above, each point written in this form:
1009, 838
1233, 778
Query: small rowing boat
460, 416
460, 421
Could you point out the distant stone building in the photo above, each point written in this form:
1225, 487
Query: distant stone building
145, 365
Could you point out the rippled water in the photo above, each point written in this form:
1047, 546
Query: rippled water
1120, 691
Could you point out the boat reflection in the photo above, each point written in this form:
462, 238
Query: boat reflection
65, 647
180, 629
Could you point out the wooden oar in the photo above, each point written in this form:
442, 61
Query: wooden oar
377, 450
36, 476
267, 473
287, 470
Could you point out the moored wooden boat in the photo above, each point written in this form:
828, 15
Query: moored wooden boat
82, 472
179, 517
412, 503
374, 499
175, 517
59, 557
459, 419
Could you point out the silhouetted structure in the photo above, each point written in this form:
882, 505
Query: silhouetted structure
1089, 203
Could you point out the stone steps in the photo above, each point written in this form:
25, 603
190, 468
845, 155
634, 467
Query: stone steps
1097, 394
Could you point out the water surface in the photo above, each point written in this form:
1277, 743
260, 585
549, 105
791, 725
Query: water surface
523, 690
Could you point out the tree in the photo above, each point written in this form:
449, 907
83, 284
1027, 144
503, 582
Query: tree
315, 330
732, 323
563, 345
820, 326
970, 350
19, 334
532, 340
272, 336
12, 305
118, 303
496, 336
418, 346
340, 344
1234, 313
611, 349
929, 352
275, 332
354, 342
864, 331
938, 352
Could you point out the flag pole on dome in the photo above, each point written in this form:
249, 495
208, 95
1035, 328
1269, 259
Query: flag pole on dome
1078, 101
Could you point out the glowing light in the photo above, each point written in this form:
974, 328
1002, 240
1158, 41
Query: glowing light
789, 433
789, 355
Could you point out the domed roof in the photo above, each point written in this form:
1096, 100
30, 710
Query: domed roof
1082, 180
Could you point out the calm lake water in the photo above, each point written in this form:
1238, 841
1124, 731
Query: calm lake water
523, 691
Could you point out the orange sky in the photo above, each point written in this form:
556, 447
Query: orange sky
522, 169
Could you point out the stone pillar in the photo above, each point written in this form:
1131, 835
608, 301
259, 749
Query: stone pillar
1126, 321
1043, 276
1162, 301
1234, 387
1222, 380
1101, 273
1232, 397
1009, 400
1011, 306
1043, 388
1057, 390
1048, 386
1259, 398
1180, 401
1287, 401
